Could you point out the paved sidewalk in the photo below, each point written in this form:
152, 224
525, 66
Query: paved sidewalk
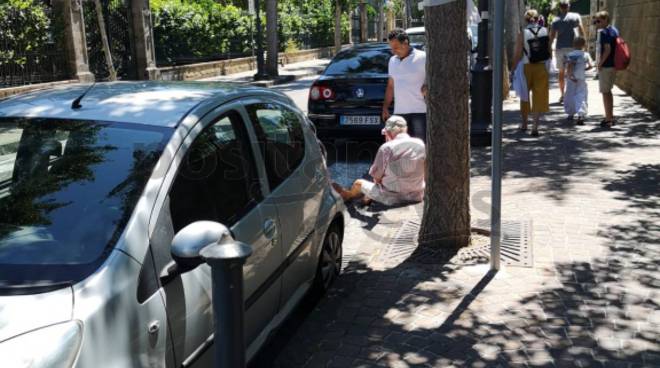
288, 73
592, 298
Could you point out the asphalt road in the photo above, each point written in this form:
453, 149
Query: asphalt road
297, 90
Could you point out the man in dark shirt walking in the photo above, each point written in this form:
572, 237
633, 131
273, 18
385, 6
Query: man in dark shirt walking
606, 71
563, 30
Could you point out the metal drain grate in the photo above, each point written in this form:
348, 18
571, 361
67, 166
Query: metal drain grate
516, 245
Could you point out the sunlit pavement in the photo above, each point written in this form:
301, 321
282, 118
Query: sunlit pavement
590, 300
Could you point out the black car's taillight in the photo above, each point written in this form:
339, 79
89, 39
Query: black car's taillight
321, 92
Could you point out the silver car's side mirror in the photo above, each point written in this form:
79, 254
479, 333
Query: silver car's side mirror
190, 240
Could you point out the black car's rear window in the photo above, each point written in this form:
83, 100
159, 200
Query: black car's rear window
67, 189
359, 62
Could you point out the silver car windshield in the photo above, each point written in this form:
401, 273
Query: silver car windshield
67, 189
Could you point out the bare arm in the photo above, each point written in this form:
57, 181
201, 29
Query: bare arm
377, 170
589, 64
553, 35
607, 49
389, 96
580, 27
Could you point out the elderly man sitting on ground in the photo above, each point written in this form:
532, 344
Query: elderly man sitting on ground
397, 171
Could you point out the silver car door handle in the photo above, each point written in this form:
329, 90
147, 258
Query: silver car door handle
270, 229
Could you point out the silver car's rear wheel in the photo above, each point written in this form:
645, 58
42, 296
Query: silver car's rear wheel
330, 262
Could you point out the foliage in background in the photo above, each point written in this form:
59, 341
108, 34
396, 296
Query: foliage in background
544, 7
187, 29
194, 30
24, 29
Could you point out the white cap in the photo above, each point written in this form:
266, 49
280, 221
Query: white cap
394, 122
564, 2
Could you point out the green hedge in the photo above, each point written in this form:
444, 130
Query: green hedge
186, 30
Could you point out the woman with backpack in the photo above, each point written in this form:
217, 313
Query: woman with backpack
533, 49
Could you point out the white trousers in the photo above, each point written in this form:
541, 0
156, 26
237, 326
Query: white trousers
575, 98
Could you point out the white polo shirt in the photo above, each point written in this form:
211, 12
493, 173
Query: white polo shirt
408, 75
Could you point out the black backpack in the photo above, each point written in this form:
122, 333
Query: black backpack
539, 47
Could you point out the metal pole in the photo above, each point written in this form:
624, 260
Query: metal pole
482, 78
226, 261
495, 215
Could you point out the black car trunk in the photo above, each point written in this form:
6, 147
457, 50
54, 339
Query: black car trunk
355, 91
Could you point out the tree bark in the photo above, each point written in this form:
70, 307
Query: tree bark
337, 26
271, 38
363, 22
446, 220
514, 11
104, 41
381, 21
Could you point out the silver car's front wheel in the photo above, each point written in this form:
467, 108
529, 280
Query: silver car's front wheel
330, 262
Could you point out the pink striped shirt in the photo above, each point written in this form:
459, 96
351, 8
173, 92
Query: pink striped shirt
399, 169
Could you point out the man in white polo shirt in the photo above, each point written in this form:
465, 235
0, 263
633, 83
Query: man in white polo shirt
406, 84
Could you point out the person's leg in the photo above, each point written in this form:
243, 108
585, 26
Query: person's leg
559, 59
353, 193
409, 118
526, 107
540, 102
605, 84
562, 83
535, 127
524, 112
582, 106
419, 126
608, 102
569, 99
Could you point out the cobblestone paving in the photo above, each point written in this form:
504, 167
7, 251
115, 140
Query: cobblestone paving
591, 299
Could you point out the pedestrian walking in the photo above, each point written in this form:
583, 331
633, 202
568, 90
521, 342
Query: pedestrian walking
578, 62
563, 30
406, 84
606, 71
533, 49
397, 171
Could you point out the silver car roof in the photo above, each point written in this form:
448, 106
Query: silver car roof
151, 103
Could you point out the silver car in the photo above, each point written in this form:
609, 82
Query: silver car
93, 191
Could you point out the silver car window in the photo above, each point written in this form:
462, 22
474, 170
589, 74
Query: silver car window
281, 139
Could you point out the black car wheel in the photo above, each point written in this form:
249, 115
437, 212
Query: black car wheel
330, 260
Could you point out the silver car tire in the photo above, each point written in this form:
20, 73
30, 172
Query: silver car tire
330, 260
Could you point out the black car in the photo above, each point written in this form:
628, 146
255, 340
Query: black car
347, 99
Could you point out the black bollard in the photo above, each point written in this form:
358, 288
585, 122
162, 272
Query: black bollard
226, 259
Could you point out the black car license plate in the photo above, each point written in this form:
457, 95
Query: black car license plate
359, 120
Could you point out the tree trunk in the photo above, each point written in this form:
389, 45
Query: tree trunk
337, 26
104, 41
446, 221
271, 38
381, 21
404, 21
363, 22
514, 11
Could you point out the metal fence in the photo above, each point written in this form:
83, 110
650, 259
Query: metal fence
372, 28
31, 53
182, 56
116, 19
